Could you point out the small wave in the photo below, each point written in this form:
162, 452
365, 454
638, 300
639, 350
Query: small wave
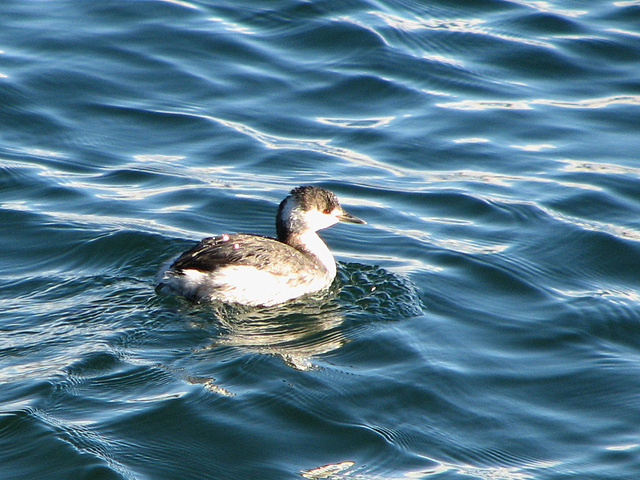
379, 293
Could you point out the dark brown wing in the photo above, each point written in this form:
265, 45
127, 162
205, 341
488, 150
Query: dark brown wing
243, 249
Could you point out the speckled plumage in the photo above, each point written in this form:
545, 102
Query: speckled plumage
243, 249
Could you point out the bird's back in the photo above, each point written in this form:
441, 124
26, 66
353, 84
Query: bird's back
261, 252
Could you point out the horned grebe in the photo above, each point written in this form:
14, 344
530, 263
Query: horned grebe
261, 271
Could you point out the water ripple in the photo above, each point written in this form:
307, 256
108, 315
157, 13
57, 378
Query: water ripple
594, 103
485, 321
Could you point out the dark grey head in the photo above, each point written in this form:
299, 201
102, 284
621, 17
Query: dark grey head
310, 208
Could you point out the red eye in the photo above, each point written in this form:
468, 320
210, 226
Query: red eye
327, 211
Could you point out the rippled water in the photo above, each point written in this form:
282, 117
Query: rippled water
485, 323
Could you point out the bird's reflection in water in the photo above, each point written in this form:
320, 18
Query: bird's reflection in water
295, 331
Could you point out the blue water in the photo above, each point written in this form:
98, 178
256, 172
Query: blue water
485, 323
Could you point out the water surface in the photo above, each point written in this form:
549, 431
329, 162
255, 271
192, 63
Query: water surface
484, 324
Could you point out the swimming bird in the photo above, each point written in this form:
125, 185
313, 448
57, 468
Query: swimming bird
255, 270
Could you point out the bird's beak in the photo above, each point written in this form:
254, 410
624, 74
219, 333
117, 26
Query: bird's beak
348, 218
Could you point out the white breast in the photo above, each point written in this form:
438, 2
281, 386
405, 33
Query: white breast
242, 284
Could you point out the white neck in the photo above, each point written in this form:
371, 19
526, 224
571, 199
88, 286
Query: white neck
316, 246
